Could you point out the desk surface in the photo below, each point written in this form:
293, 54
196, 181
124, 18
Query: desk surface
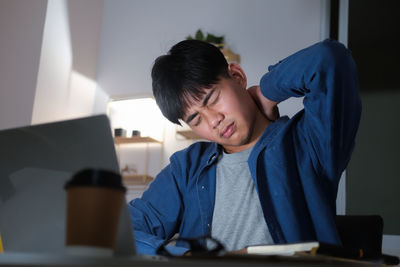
29, 260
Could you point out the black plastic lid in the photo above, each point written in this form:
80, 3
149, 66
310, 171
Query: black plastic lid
96, 177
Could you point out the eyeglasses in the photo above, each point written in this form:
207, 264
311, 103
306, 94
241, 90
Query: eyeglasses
202, 245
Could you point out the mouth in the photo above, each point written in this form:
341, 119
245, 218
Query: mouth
228, 131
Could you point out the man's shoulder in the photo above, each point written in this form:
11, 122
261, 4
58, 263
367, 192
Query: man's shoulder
274, 130
283, 133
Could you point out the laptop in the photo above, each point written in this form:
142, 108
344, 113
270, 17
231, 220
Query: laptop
35, 163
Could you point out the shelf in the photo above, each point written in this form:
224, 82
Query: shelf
137, 179
134, 139
189, 134
230, 56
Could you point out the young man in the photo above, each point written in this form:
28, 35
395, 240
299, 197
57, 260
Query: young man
261, 179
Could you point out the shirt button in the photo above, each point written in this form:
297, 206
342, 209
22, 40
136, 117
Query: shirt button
202, 187
208, 225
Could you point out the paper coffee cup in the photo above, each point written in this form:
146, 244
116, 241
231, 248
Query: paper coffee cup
94, 204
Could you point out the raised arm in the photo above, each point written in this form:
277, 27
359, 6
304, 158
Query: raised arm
325, 74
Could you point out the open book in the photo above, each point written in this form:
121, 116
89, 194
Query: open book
283, 249
310, 247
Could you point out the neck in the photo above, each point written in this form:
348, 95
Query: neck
261, 124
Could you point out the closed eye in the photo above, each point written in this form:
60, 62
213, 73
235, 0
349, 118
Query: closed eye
209, 100
216, 98
191, 117
198, 121
208, 97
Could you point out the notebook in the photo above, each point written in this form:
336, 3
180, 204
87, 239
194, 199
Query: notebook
35, 163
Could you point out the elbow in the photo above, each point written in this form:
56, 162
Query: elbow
336, 59
334, 52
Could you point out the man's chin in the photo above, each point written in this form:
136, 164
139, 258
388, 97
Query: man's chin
234, 142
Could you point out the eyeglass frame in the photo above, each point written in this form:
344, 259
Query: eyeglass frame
196, 246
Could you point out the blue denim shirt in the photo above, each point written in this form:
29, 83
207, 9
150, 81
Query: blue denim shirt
296, 164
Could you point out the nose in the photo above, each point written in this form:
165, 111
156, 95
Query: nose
214, 118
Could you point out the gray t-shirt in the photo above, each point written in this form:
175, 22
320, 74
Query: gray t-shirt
238, 219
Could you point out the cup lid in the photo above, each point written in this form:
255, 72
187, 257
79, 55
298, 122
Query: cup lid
96, 177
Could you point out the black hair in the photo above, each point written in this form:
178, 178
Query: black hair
181, 76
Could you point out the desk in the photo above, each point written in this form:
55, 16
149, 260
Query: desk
30, 260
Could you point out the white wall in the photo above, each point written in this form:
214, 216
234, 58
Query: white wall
66, 86
21, 32
135, 32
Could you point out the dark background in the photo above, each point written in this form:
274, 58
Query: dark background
373, 175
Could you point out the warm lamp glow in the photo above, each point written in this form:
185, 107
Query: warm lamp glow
140, 114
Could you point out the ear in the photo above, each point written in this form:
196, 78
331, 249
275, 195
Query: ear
237, 73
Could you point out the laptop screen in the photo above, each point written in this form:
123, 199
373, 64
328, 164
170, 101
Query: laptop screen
35, 163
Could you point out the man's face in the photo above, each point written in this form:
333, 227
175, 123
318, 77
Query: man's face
226, 113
